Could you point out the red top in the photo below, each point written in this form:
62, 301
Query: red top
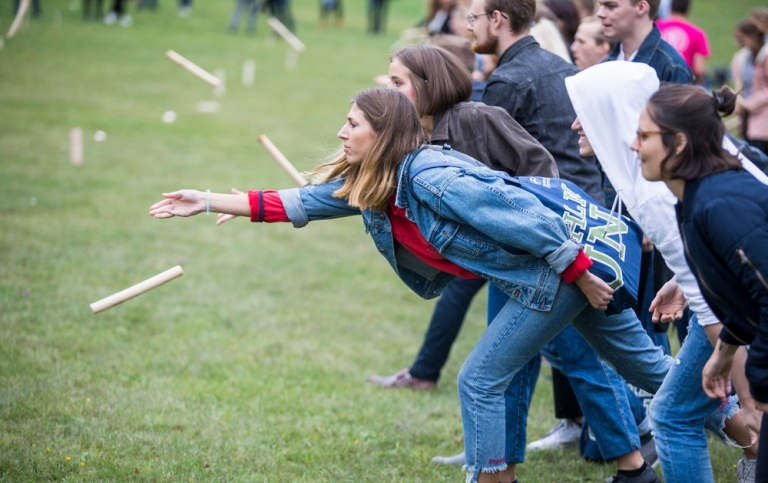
266, 206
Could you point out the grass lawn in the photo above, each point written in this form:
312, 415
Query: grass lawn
252, 366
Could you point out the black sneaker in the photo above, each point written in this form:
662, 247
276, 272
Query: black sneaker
648, 476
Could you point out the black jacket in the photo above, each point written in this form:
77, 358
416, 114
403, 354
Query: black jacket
724, 225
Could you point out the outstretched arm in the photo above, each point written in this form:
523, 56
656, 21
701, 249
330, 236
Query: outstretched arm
192, 202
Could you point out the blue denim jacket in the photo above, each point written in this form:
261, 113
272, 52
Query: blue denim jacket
529, 82
471, 216
657, 53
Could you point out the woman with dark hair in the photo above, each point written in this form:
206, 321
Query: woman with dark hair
722, 214
433, 223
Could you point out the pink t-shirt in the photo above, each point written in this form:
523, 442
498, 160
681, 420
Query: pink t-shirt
685, 37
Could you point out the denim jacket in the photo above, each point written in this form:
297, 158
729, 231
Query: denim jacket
665, 60
529, 82
503, 234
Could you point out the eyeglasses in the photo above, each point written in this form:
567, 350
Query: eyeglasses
644, 135
471, 18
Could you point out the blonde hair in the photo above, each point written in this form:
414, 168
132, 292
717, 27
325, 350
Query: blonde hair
394, 120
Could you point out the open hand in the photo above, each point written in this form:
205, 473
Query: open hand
179, 203
669, 303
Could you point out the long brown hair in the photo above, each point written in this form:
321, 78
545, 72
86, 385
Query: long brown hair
439, 78
394, 120
694, 113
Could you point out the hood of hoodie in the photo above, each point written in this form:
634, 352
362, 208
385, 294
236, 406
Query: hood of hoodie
608, 99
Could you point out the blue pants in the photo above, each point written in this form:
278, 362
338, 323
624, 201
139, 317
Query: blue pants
515, 336
449, 313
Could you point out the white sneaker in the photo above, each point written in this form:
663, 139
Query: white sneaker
745, 470
565, 433
110, 18
455, 460
126, 21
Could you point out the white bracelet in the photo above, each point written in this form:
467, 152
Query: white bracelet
207, 202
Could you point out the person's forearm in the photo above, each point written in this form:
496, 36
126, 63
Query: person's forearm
230, 204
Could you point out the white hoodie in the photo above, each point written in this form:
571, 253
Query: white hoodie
608, 99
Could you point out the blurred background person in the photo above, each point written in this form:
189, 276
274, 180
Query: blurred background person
750, 40
590, 46
756, 105
688, 39
252, 7
331, 7
377, 16
566, 17
438, 19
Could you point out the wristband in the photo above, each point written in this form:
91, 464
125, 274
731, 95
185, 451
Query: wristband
207, 202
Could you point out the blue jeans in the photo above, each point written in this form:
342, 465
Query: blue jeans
447, 318
603, 395
514, 337
680, 410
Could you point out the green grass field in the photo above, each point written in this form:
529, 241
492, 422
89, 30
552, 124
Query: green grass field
252, 366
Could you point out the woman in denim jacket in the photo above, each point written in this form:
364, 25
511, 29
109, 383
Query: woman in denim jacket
722, 214
444, 222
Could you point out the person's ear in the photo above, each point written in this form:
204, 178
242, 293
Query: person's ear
642, 8
680, 143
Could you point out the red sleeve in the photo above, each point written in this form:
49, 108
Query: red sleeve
577, 268
267, 207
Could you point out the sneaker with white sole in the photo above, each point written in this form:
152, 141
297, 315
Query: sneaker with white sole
455, 460
565, 433
745, 470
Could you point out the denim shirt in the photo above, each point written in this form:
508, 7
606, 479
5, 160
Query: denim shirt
529, 82
504, 234
657, 53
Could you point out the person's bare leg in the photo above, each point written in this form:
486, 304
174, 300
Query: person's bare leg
505, 476
630, 461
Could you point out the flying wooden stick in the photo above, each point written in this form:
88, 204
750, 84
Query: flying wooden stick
222, 218
23, 7
137, 289
282, 160
286, 34
193, 68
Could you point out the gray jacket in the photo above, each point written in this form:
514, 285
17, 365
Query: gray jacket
529, 83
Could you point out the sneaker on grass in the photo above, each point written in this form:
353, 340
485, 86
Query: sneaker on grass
745, 470
565, 433
455, 460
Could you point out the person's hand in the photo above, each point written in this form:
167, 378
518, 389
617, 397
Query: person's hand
222, 218
179, 203
598, 293
716, 375
668, 304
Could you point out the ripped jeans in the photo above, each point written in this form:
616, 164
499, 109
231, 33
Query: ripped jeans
517, 334
680, 411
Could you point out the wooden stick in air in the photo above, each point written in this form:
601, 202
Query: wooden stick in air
137, 289
286, 34
23, 7
282, 160
193, 68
